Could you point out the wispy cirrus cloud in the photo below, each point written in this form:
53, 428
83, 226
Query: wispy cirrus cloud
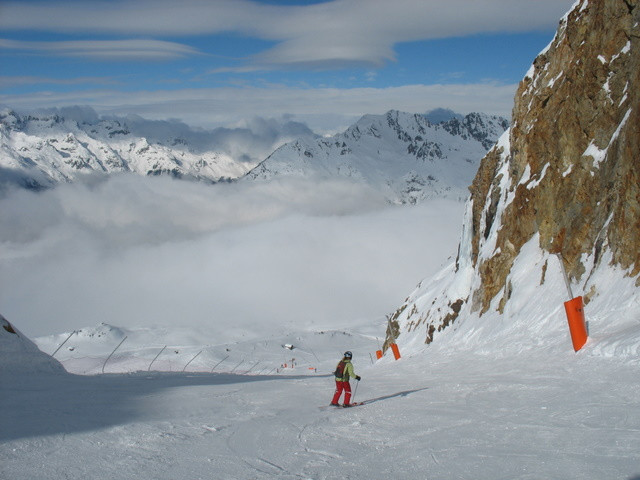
237, 59
105, 49
324, 35
12, 81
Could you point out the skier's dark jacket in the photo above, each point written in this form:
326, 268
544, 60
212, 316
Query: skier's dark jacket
347, 372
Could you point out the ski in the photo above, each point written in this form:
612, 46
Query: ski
354, 404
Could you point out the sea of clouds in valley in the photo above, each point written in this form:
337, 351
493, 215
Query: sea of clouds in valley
137, 251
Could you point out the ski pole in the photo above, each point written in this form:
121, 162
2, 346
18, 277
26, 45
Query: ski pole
355, 391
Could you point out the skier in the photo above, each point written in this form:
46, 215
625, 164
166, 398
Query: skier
344, 371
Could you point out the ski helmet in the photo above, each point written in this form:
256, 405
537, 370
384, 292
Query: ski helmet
348, 354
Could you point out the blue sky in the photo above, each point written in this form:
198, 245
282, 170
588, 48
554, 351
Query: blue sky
219, 62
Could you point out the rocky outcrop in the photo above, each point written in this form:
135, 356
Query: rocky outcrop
572, 174
567, 173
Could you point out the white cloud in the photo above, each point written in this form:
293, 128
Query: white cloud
165, 17
323, 109
326, 34
7, 81
136, 251
106, 49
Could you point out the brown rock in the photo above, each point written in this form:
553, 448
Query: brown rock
570, 172
576, 125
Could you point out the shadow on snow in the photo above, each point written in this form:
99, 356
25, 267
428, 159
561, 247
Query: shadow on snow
36, 405
393, 395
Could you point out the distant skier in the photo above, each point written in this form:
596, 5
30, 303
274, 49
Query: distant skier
344, 371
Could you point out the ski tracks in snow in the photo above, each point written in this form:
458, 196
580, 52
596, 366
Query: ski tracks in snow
283, 449
480, 418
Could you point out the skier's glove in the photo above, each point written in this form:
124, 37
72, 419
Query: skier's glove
357, 378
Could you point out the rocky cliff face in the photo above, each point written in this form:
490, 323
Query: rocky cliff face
566, 174
573, 169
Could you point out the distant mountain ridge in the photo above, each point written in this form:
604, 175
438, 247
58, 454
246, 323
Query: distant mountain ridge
404, 155
40, 151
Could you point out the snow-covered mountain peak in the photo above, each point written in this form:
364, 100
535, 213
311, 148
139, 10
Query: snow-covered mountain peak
402, 154
9, 119
40, 150
439, 115
389, 152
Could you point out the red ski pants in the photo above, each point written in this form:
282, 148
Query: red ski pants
340, 386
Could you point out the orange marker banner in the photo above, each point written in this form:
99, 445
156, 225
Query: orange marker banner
577, 325
396, 352
378, 354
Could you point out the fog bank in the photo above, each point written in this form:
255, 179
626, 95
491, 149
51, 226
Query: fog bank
135, 251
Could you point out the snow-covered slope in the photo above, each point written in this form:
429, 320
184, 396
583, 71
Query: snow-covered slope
401, 154
41, 150
19, 356
440, 415
304, 352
